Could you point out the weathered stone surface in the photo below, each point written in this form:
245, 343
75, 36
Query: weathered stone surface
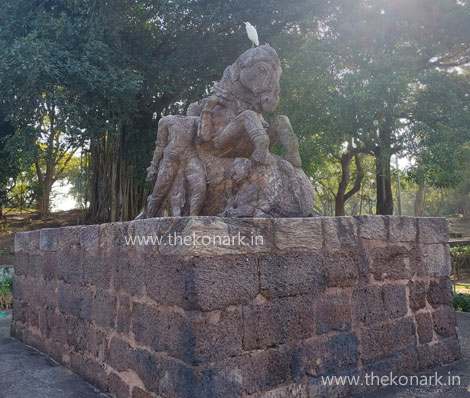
222, 281
340, 231
123, 314
381, 340
29, 290
433, 230
119, 354
163, 331
145, 365
21, 263
174, 379
367, 304
445, 322
49, 265
113, 236
129, 274
170, 280
118, 387
298, 233
342, 268
417, 295
445, 351
48, 239
104, 309
36, 264
292, 390
75, 301
394, 262
97, 267
400, 363
50, 294
424, 325
190, 337
333, 312
325, 355
436, 259
139, 393
89, 370
247, 374
89, 237
439, 292
234, 322
69, 267
21, 242
68, 238
394, 298
20, 311
373, 227
402, 229
278, 321
33, 240
217, 335
231, 171
291, 274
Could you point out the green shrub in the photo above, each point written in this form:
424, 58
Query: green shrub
460, 251
462, 302
6, 293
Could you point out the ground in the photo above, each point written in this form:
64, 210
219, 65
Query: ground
26, 373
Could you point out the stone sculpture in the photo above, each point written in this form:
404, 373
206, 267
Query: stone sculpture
217, 159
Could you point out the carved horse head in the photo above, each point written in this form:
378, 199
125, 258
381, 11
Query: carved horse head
254, 78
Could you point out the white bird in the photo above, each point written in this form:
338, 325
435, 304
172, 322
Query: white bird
252, 33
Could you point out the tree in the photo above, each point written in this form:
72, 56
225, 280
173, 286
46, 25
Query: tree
159, 43
62, 85
118, 66
9, 161
371, 57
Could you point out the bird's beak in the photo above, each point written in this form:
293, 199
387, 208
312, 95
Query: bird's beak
245, 23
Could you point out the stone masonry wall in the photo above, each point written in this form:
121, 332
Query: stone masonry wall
320, 296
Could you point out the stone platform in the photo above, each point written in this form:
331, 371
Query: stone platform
237, 308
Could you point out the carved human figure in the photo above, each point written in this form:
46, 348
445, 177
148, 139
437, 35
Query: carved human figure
175, 153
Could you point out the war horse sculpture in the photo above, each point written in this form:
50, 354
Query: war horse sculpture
217, 159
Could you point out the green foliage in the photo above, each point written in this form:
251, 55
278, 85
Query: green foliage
370, 76
9, 159
98, 75
6, 293
462, 302
460, 252
441, 129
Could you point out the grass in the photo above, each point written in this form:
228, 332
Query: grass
6, 293
463, 288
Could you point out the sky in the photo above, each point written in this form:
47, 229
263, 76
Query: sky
61, 200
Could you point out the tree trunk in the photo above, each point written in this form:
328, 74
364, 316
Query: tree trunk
113, 196
384, 183
342, 196
419, 201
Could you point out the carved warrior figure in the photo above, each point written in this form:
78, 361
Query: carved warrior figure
217, 160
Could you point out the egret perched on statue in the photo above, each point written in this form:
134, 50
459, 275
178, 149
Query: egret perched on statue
252, 33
